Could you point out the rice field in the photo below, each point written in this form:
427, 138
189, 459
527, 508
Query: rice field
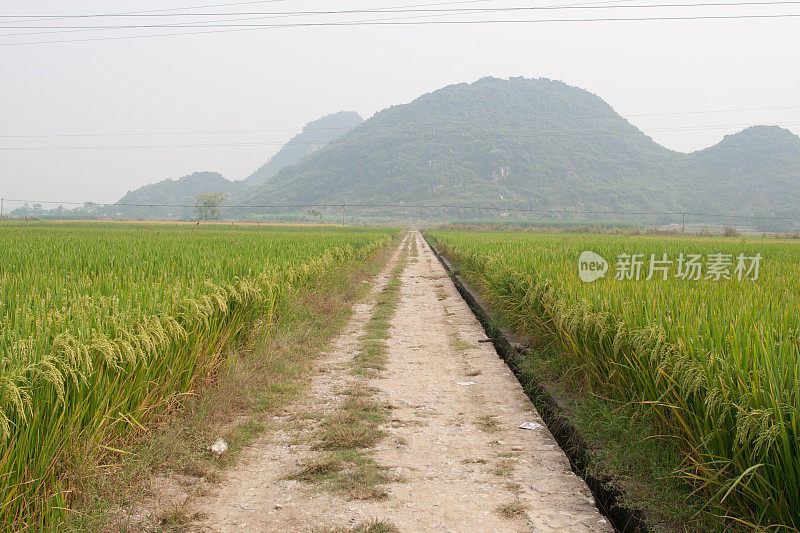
712, 354
104, 325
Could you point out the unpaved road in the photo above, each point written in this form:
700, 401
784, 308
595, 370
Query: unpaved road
454, 447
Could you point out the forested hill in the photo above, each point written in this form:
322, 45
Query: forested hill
514, 142
539, 144
168, 198
756, 171
314, 136
162, 199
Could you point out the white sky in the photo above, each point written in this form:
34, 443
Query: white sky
279, 79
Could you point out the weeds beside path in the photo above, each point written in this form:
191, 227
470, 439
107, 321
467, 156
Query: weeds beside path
154, 482
408, 423
318, 447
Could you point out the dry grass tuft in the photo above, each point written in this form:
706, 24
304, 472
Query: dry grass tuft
322, 468
488, 423
503, 468
512, 509
371, 526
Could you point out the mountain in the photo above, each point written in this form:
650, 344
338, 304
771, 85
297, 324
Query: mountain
181, 192
515, 142
755, 171
184, 191
541, 145
314, 136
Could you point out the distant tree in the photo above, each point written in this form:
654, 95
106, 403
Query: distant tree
730, 231
207, 206
316, 214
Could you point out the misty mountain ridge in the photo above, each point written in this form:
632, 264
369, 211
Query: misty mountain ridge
542, 145
314, 136
532, 144
182, 190
185, 190
755, 172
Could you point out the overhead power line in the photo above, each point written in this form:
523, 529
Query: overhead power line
177, 10
418, 124
132, 13
232, 28
429, 138
501, 208
282, 14
218, 24
402, 10
76, 29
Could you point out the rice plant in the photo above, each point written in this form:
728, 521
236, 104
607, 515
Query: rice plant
103, 326
716, 361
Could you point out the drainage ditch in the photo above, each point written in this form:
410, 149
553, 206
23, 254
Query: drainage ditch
513, 349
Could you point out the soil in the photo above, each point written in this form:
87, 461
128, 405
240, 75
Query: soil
452, 444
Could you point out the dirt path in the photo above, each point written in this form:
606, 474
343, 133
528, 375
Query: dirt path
453, 443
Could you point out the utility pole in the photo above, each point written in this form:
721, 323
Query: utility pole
683, 223
342, 214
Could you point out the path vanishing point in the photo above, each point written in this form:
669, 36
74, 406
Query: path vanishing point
452, 448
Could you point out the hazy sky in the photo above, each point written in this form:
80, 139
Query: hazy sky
683, 82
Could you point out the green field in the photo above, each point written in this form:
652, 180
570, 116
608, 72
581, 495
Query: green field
104, 325
715, 362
